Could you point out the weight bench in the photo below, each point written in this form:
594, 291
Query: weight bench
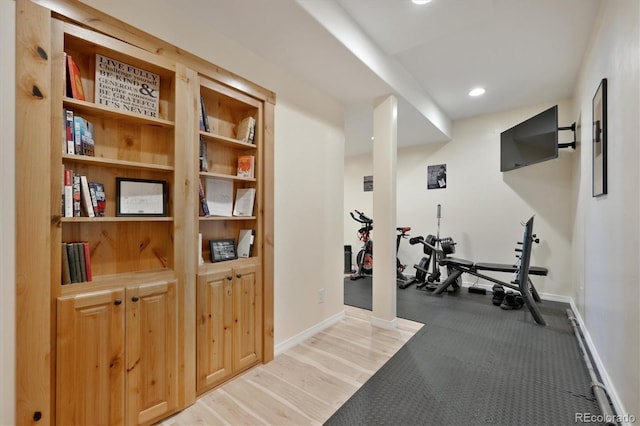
456, 267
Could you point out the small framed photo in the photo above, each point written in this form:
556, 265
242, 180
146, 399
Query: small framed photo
222, 250
437, 176
141, 197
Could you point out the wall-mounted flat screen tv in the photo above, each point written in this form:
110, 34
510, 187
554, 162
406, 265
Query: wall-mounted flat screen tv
532, 141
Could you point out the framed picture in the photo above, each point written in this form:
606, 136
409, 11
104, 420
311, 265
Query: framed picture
599, 145
437, 176
141, 197
224, 249
368, 184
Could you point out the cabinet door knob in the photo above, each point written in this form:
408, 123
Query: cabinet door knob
238, 275
135, 298
229, 277
117, 302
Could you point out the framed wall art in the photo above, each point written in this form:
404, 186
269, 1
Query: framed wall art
599, 136
222, 250
437, 176
141, 197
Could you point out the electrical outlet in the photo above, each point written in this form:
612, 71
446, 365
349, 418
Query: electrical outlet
321, 295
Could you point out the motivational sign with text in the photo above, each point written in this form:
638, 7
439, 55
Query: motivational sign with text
125, 87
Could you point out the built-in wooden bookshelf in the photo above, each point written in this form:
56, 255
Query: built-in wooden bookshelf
126, 346
225, 109
229, 293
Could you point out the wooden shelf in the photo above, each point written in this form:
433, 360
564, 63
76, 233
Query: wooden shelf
108, 162
225, 176
223, 218
227, 141
104, 282
99, 219
208, 266
91, 108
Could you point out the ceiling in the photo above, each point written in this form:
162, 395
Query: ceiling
524, 52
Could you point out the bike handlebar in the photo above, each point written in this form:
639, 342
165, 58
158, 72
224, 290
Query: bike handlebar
362, 217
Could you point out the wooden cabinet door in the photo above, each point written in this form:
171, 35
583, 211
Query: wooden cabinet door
90, 371
214, 328
247, 312
151, 338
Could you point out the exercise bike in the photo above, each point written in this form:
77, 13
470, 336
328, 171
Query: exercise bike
364, 258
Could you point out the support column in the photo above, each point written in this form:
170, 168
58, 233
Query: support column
385, 123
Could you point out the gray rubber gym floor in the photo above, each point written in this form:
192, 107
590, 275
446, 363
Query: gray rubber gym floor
472, 363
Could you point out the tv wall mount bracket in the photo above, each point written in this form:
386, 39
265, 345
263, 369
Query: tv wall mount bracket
571, 145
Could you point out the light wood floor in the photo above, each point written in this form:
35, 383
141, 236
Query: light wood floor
306, 384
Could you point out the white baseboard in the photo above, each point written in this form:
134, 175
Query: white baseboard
599, 366
386, 324
304, 335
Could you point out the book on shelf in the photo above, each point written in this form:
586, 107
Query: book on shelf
245, 198
100, 197
200, 116
204, 208
76, 195
204, 118
83, 266
246, 164
87, 261
71, 257
68, 193
204, 160
94, 198
245, 242
219, 196
74, 79
246, 129
83, 135
66, 272
87, 204
69, 132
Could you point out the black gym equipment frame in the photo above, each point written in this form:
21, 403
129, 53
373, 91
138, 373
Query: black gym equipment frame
522, 283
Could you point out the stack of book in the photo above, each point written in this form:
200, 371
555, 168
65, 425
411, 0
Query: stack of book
78, 139
81, 197
76, 263
246, 130
203, 118
74, 79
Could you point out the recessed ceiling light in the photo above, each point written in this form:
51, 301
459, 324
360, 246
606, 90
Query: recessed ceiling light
477, 91
421, 1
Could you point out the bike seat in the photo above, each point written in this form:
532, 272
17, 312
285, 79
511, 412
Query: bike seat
404, 229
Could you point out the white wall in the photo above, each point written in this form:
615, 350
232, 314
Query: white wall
481, 207
309, 184
7, 215
309, 150
607, 233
